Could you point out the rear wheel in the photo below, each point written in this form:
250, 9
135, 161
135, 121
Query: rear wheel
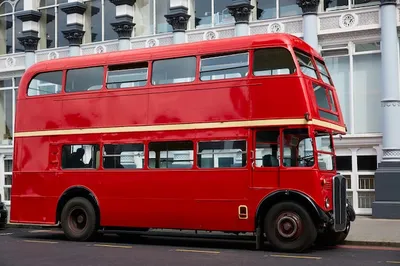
78, 219
289, 227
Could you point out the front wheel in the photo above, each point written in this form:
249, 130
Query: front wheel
78, 219
289, 227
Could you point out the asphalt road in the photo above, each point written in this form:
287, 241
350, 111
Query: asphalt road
20, 247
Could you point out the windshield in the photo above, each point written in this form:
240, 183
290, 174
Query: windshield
299, 150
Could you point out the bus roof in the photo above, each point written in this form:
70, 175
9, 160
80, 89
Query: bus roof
175, 50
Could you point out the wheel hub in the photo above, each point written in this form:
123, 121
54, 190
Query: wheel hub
289, 225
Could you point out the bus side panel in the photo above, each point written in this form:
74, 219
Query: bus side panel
265, 104
219, 101
35, 188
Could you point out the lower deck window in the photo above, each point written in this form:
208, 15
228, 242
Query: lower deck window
174, 154
222, 154
80, 156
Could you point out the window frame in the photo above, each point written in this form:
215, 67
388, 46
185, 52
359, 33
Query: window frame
328, 93
145, 148
158, 141
220, 55
148, 75
246, 152
86, 91
151, 71
293, 57
89, 143
63, 76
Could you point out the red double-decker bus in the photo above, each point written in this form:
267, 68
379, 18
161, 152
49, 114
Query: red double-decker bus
231, 135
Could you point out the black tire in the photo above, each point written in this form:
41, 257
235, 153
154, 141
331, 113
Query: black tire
292, 216
78, 219
332, 238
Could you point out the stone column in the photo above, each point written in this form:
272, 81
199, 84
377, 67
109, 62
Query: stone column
74, 32
30, 29
241, 11
387, 176
310, 21
124, 22
178, 18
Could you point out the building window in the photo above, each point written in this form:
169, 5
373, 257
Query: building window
366, 167
273, 61
270, 9
337, 61
345, 4
222, 154
149, 17
93, 79
46, 83
174, 154
127, 76
52, 22
80, 156
10, 26
224, 66
176, 70
8, 95
8, 164
99, 15
367, 89
123, 156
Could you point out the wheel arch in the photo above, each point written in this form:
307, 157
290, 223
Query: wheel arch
317, 215
78, 191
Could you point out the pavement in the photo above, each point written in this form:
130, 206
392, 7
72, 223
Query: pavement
23, 247
365, 230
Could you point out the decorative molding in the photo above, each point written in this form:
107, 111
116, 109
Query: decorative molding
390, 103
123, 27
241, 10
29, 41
152, 43
29, 15
308, 6
276, 27
99, 49
348, 20
210, 35
388, 2
74, 34
178, 18
10, 62
73, 8
123, 2
53, 55
391, 154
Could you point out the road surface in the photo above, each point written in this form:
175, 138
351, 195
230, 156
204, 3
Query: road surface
23, 247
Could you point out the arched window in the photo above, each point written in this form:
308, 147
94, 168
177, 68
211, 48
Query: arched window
10, 27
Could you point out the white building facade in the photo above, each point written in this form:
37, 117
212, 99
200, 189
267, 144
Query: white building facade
348, 33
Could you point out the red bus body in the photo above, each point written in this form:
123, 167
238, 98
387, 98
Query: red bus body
231, 199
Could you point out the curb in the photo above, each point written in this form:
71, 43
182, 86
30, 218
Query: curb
371, 243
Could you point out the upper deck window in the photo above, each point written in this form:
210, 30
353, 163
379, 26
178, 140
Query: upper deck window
325, 102
84, 79
273, 61
46, 83
324, 72
224, 66
176, 70
127, 76
306, 65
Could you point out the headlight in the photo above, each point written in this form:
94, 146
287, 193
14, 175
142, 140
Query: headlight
327, 203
